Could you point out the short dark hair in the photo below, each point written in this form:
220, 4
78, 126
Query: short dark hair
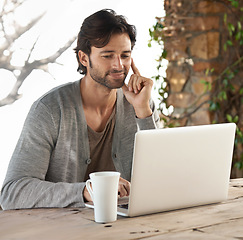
97, 29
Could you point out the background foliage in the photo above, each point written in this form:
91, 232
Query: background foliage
226, 90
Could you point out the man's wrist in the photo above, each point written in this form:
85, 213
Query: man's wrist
143, 112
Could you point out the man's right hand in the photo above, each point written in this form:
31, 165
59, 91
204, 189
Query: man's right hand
87, 197
123, 187
123, 190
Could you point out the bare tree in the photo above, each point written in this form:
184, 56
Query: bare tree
8, 40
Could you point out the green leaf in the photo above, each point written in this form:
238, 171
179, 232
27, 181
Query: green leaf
241, 91
234, 3
238, 36
207, 85
231, 27
229, 43
225, 18
229, 118
239, 25
222, 96
236, 142
207, 71
230, 32
214, 106
225, 82
239, 165
164, 54
225, 47
235, 119
231, 87
230, 75
238, 132
151, 32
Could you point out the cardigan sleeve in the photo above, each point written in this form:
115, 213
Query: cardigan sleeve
25, 185
150, 122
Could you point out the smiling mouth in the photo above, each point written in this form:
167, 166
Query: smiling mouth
117, 75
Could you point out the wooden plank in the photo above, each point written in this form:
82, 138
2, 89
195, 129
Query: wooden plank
64, 224
216, 221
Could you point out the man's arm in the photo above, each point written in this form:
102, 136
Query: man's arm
138, 94
25, 185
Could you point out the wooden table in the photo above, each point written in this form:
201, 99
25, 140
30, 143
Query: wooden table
216, 221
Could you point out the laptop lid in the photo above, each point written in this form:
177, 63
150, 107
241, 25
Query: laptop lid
180, 167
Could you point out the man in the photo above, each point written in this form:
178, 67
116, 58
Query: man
84, 126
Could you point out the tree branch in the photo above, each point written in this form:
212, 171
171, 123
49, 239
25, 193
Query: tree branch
6, 20
27, 70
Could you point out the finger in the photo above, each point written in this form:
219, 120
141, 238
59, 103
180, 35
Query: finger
135, 83
139, 83
122, 191
124, 187
86, 195
130, 84
134, 68
128, 187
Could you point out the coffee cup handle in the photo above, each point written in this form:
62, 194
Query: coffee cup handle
88, 186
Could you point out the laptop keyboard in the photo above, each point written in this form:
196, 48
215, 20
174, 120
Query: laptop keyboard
123, 202
123, 206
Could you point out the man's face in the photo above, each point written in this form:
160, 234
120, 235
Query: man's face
110, 64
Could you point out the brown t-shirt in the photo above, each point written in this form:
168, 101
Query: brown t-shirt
100, 148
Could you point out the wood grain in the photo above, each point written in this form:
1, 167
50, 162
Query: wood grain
215, 221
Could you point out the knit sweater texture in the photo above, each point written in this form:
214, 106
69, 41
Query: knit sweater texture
50, 160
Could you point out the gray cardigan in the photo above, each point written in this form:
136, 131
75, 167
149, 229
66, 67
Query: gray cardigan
49, 163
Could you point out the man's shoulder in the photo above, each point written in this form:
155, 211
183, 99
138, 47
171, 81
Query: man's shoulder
66, 93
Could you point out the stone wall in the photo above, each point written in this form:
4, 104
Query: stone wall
194, 36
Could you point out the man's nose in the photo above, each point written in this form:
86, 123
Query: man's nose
118, 63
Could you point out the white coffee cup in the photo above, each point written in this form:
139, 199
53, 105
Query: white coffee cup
104, 193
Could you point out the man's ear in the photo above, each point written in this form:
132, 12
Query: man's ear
83, 58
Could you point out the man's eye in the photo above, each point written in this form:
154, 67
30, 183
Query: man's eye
107, 56
125, 56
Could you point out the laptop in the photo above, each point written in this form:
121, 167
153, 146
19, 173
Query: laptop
177, 168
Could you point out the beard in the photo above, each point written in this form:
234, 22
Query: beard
106, 79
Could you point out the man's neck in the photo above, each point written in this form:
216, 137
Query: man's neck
97, 97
